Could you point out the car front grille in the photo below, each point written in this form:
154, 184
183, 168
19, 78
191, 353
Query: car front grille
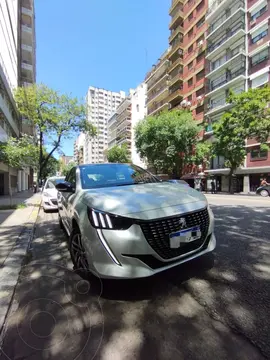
157, 233
54, 201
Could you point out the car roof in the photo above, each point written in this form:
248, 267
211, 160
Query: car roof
55, 177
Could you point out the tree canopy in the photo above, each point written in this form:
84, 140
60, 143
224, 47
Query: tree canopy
118, 154
56, 117
248, 118
167, 140
65, 169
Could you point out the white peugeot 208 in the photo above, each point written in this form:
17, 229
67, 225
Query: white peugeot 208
123, 222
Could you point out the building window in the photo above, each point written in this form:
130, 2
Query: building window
190, 49
200, 57
189, 98
259, 13
200, 22
190, 17
138, 107
257, 154
260, 36
190, 65
190, 33
190, 82
199, 109
200, 75
200, 6
200, 92
260, 57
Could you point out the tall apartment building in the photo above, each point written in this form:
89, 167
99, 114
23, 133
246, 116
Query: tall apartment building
101, 105
194, 47
17, 64
122, 123
157, 82
238, 58
78, 151
175, 55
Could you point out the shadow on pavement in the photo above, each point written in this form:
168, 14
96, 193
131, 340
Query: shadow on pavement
185, 313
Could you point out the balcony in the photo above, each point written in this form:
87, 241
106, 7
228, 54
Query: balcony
27, 28
174, 4
228, 60
217, 106
226, 41
157, 93
174, 64
175, 32
226, 20
27, 48
27, 11
158, 107
227, 80
155, 82
175, 45
176, 76
216, 8
177, 19
175, 93
27, 66
208, 130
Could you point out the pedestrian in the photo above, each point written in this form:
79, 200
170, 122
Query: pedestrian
264, 182
213, 187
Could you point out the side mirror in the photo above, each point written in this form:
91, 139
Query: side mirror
65, 187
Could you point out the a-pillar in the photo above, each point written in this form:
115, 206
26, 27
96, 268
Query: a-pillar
246, 184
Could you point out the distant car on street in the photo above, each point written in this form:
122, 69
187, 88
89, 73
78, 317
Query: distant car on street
49, 194
263, 190
180, 182
123, 222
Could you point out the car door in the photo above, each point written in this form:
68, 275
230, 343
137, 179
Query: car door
69, 199
65, 199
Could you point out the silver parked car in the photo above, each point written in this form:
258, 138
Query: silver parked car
123, 222
49, 194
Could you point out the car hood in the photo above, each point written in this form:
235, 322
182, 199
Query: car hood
51, 192
145, 201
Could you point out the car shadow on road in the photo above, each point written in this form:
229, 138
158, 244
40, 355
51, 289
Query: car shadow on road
199, 310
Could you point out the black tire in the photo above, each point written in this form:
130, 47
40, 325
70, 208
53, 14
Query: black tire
77, 253
264, 193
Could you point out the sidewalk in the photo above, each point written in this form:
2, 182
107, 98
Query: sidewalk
16, 231
17, 198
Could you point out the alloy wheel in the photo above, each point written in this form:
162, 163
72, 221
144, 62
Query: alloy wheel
78, 253
264, 193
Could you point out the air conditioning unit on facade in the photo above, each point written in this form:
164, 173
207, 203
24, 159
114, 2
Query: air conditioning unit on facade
253, 22
199, 98
200, 43
189, 103
184, 103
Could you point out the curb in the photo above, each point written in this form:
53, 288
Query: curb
11, 274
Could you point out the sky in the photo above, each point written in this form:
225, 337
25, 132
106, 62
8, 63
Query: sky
110, 44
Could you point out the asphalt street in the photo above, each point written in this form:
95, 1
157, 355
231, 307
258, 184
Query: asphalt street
215, 307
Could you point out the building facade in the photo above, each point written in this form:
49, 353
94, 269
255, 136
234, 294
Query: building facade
238, 58
121, 125
17, 64
175, 55
78, 152
101, 105
157, 82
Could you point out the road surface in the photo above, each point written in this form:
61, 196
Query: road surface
212, 308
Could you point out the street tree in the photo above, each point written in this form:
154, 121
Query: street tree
202, 153
56, 117
18, 153
167, 140
118, 154
51, 168
248, 118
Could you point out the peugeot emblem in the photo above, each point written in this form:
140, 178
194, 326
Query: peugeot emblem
182, 223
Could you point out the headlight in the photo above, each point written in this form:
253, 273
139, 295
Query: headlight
102, 220
46, 194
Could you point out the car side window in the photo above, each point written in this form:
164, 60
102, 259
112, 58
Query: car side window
71, 177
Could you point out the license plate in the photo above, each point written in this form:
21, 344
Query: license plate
184, 236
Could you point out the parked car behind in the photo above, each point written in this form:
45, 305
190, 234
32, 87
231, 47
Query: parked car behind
49, 194
263, 190
123, 222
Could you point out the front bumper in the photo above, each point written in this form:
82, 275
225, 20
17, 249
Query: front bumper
128, 255
49, 203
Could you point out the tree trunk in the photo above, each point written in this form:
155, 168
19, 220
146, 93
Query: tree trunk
230, 181
9, 187
40, 156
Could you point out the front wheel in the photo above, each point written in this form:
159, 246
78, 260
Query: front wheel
264, 193
77, 252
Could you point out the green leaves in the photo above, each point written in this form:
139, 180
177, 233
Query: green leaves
118, 154
19, 153
65, 169
161, 139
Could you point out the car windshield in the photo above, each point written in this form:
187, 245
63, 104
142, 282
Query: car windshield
50, 184
104, 175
